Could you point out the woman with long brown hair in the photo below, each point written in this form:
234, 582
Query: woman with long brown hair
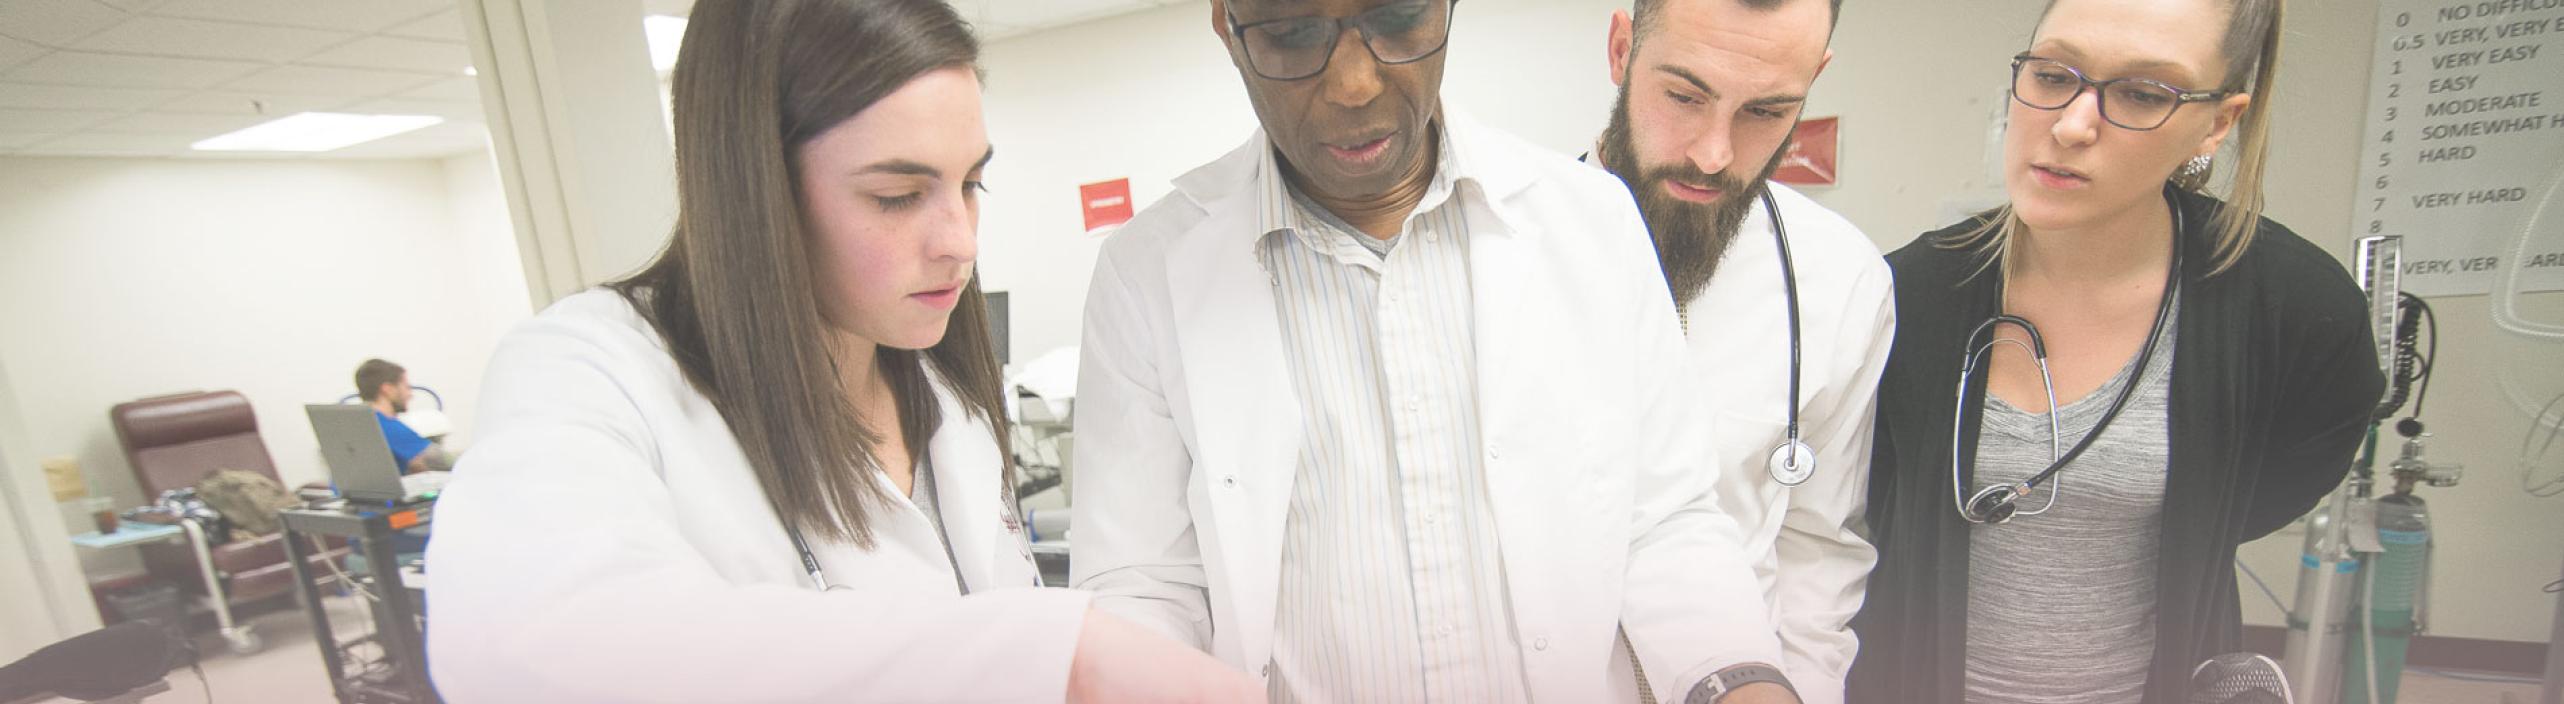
771, 466
2097, 391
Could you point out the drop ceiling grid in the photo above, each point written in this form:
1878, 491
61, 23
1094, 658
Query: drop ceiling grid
82, 74
130, 77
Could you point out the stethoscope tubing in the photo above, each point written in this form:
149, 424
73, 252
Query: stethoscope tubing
1970, 352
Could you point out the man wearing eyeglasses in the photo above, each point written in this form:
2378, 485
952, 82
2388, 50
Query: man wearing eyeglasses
1388, 406
1792, 339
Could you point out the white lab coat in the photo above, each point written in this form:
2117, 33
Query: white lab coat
1806, 540
605, 541
1598, 468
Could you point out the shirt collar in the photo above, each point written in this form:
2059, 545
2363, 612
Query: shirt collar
1277, 210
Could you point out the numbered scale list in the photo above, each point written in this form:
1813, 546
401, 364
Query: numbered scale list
2465, 128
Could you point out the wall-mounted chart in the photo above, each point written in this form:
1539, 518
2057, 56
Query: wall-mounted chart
2465, 128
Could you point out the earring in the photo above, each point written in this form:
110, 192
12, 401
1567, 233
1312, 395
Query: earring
2196, 166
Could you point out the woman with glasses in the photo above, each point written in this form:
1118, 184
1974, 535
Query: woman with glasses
2098, 390
771, 466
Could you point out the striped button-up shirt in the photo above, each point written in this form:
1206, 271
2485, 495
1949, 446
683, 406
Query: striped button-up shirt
1392, 589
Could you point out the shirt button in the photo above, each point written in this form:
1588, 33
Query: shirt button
1432, 237
1495, 452
1539, 644
1445, 631
1432, 517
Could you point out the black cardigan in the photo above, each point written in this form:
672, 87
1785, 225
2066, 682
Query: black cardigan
2274, 380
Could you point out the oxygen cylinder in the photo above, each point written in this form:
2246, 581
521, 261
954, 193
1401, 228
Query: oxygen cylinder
2403, 527
2327, 573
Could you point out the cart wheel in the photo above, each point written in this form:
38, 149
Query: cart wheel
243, 641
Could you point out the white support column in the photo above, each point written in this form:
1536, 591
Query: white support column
583, 150
43, 595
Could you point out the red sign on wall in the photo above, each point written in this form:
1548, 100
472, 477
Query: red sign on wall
1811, 160
1106, 204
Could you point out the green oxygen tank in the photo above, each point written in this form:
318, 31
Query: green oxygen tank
2394, 583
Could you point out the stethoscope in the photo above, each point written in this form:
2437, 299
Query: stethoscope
1793, 461
1997, 504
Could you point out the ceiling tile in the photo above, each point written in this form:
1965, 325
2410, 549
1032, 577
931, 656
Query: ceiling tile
451, 110
196, 125
457, 88
55, 22
13, 140
678, 8
111, 145
442, 26
242, 103
14, 52
366, 16
403, 54
50, 97
50, 120
135, 5
313, 80
163, 36
82, 68
434, 141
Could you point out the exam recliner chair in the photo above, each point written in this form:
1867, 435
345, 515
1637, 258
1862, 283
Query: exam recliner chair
172, 442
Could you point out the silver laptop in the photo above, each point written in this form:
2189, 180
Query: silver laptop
360, 460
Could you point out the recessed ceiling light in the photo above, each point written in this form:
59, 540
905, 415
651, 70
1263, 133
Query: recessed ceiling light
315, 132
665, 34
470, 71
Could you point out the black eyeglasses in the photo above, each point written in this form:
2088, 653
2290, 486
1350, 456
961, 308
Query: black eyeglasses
2133, 103
1300, 47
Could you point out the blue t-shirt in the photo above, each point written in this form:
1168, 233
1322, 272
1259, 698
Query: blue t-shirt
406, 444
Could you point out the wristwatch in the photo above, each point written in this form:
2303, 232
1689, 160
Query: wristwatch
1718, 684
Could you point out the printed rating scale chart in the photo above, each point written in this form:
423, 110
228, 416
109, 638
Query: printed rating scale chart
2465, 132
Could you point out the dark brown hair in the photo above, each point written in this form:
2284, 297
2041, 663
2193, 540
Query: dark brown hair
1644, 15
2250, 48
735, 295
373, 374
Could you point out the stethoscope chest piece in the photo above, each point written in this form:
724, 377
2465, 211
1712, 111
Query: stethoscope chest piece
1792, 463
1994, 504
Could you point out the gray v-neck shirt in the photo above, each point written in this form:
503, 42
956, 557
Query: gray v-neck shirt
2061, 605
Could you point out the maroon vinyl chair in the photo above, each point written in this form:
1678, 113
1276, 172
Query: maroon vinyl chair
175, 441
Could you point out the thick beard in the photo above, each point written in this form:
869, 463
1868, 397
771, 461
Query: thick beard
1691, 239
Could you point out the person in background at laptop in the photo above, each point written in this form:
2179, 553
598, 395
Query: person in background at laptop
386, 387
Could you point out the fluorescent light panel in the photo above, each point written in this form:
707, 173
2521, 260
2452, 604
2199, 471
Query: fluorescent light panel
315, 132
665, 34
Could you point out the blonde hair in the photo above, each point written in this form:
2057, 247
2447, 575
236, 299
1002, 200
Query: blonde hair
2251, 51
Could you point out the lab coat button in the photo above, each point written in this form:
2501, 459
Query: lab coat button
1265, 672
1229, 481
1539, 644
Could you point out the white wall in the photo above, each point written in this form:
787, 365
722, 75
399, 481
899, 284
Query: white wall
1151, 95
131, 278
